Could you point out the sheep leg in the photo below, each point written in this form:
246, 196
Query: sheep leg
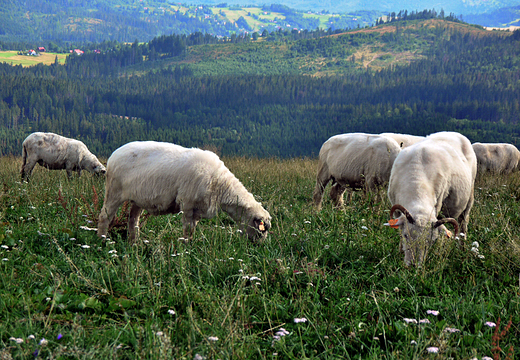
336, 194
190, 219
464, 216
322, 179
68, 168
133, 222
27, 169
107, 214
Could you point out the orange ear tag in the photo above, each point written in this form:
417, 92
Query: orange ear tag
261, 226
393, 223
448, 233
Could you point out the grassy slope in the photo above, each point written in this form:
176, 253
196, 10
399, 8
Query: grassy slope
13, 58
340, 270
268, 57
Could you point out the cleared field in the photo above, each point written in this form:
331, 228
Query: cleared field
13, 58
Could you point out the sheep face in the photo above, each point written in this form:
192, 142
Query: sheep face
417, 238
99, 170
92, 165
418, 233
258, 227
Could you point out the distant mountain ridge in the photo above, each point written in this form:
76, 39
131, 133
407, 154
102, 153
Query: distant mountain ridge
62, 24
504, 17
458, 7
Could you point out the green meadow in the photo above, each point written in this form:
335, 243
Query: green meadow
323, 285
12, 57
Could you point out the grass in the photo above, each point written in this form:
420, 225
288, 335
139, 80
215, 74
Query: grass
221, 296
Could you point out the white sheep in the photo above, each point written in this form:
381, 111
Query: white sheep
436, 173
56, 152
354, 160
496, 158
164, 178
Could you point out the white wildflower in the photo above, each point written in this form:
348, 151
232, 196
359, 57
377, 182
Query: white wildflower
17, 340
451, 330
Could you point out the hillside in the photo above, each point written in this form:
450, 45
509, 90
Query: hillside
504, 17
456, 6
64, 24
60, 24
330, 54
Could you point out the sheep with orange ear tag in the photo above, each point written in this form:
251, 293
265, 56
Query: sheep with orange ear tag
433, 176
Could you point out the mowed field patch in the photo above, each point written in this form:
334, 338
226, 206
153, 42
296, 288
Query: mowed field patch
14, 58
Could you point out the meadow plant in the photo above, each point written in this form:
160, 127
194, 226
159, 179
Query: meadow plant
328, 284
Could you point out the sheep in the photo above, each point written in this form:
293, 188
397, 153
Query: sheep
56, 152
496, 158
404, 140
353, 160
436, 173
165, 178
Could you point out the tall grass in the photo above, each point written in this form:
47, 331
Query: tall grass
221, 296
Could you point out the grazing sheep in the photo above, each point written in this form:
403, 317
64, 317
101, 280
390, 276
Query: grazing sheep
404, 140
353, 160
56, 152
438, 172
496, 158
164, 178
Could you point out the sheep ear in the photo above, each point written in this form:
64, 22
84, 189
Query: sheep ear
449, 234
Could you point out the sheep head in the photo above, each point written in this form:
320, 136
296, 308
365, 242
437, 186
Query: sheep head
418, 233
258, 225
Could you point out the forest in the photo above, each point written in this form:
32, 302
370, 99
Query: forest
63, 24
279, 97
